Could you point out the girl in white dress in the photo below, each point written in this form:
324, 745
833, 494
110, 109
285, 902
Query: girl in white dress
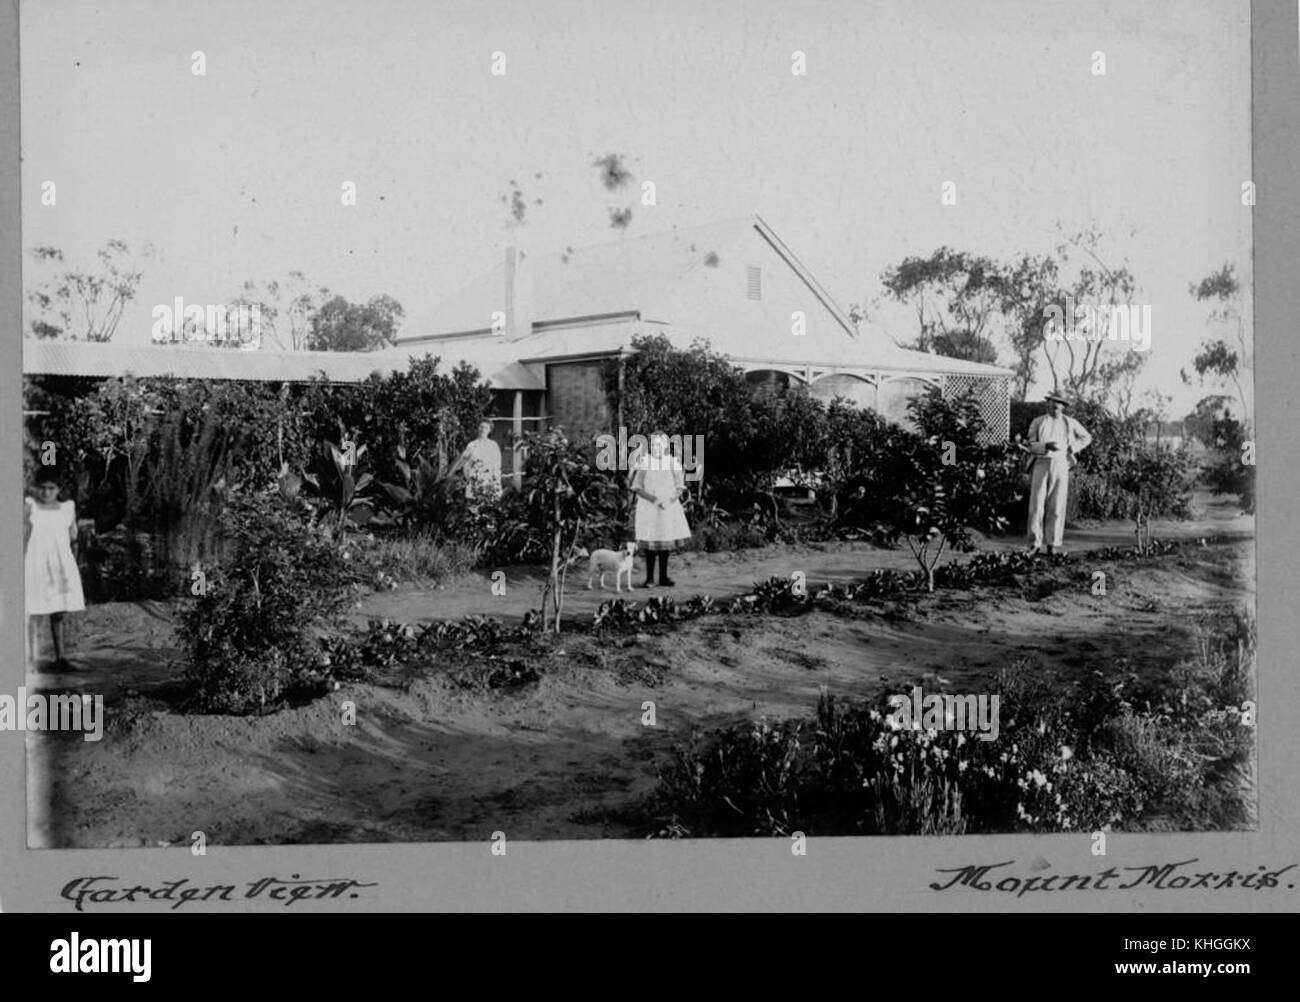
659, 523
52, 580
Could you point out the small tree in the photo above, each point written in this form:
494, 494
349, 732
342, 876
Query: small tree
286, 308
947, 483
1156, 480
565, 495
82, 305
1217, 361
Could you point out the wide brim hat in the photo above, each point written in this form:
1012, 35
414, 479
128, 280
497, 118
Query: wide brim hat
1059, 397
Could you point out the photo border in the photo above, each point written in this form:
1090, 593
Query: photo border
866, 873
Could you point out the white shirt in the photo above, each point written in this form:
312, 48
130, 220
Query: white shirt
1070, 437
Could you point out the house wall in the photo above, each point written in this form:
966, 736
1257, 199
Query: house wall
576, 400
713, 302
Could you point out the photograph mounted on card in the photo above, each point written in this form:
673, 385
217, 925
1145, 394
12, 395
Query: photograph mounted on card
564, 497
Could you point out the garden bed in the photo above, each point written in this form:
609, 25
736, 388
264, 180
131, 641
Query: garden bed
469, 744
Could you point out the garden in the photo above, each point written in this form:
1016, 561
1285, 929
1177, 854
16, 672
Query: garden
309, 633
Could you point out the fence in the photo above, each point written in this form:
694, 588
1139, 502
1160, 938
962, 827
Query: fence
994, 396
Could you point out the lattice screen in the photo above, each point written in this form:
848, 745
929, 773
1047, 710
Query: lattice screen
994, 396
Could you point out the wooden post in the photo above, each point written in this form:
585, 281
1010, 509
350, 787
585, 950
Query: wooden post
516, 467
618, 410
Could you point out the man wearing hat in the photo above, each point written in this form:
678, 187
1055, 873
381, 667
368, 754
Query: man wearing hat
1054, 440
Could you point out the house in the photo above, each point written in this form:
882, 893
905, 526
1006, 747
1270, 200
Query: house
547, 325
542, 328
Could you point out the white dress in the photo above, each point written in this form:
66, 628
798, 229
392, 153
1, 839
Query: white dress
659, 528
52, 579
483, 470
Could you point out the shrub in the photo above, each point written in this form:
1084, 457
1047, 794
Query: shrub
694, 392
727, 537
565, 496
1225, 470
945, 482
1121, 475
157, 454
742, 783
386, 561
253, 636
422, 410
1082, 757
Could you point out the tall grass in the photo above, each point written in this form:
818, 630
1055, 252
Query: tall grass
416, 559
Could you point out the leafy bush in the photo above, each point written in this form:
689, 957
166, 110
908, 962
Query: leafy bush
945, 483
422, 410
158, 454
694, 392
728, 537
1122, 475
254, 636
1225, 470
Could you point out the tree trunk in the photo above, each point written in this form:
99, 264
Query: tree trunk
555, 575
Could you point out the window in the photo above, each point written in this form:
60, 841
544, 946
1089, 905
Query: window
755, 282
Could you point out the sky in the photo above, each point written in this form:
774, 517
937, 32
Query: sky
237, 174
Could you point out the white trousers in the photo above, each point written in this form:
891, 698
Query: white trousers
1047, 494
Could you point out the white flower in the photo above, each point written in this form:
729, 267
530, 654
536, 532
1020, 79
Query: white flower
1067, 752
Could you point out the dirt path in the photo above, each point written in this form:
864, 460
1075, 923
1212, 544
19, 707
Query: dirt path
567, 756
726, 575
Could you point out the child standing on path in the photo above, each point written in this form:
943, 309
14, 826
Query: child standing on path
660, 523
52, 580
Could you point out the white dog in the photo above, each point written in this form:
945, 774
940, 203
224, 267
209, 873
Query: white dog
603, 561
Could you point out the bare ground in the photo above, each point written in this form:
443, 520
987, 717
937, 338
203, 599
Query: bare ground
568, 756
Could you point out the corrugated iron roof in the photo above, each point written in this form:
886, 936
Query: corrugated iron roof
90, 358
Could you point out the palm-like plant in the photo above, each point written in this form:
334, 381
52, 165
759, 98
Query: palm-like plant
423, 486
336, 480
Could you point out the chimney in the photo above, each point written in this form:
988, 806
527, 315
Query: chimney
519, 293
512, 255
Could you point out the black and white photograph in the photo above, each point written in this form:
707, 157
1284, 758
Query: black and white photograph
466, 422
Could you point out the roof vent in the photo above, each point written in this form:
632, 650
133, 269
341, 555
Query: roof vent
755, 282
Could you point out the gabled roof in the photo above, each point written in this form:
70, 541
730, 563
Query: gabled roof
622, 276
594, 300
634, 276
